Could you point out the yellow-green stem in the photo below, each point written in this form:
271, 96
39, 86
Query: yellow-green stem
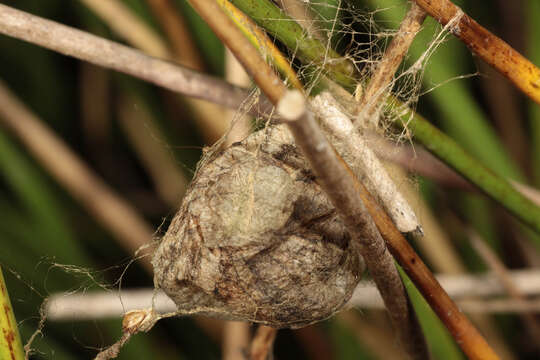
10, 340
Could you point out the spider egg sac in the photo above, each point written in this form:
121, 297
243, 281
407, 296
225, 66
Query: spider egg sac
257, 240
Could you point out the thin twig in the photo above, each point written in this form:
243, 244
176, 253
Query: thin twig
381, 80
263, 341
235, 340
490, 48
83, 184
420, 161
102, 52
128, 26
343, 190
96, 305
499, 269
174, 25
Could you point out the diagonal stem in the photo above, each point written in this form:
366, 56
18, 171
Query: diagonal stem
10, 341
108, 54
490, 48
380, 82
262, 343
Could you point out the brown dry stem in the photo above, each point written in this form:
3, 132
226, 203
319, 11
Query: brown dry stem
235, 340
381, 81
108, 54
126, 24
263, 341
94, 305
246, 54
342, 188
176, 29
465, 334
490, 48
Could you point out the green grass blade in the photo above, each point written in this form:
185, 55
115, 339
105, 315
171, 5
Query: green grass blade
461, 116
496, 187
308, 49
10, 341
439, 340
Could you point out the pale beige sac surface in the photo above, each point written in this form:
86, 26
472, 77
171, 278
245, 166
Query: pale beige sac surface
256, 239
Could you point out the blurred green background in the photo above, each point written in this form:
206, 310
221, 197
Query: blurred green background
94, 111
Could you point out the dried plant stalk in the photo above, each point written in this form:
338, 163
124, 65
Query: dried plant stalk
104, 305
363, 161
524, 74
345, 192
235, 340
180, 39
261, 346
111, 55
127, 25
381, 82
